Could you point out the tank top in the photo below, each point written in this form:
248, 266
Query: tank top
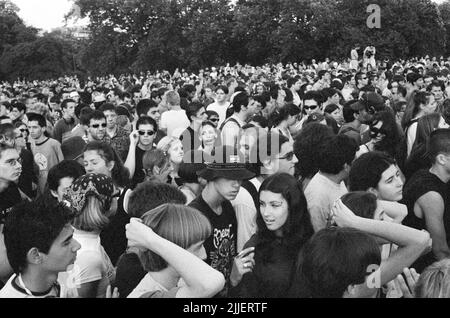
421, 183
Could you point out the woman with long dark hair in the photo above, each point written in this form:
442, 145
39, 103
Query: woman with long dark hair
418, 158
384, 135
284, 226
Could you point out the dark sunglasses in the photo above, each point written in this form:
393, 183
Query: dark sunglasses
214, 119
98, 125
309, 107
24, 130
148, 132
288, 156
374, 132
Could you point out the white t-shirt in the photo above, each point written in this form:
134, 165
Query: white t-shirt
146, 285
246, 212
221, 110
230, 131
92, 264
320, 194
175, 121
12, 289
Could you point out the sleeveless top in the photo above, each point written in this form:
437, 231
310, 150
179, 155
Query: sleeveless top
421, 183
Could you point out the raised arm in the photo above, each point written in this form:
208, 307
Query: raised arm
202, 281
412, 243
130, 163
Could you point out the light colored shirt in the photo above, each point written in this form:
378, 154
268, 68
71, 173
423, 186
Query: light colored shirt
321, 193
219, 109
175, 122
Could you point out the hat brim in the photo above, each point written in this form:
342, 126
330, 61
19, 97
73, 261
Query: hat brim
231, 174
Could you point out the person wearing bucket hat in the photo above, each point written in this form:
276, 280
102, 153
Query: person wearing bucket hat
90, 197
224, 177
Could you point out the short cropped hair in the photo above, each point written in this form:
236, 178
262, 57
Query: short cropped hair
332, 260
362, 203
439, 142
146, 120
40, 119
64, 169
337, 152
33, 225
182, 225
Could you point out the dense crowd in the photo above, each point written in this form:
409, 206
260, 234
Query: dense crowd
321, 180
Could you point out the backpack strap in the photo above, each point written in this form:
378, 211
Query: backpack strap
227, 121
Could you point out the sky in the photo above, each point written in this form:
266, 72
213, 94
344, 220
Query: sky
49, 14
43, 14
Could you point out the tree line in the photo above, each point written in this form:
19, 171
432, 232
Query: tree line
135, 35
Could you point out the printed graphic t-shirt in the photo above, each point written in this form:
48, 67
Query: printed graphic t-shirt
221, 245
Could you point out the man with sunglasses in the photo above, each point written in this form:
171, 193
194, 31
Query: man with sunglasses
362, 112
96, 129
142, 140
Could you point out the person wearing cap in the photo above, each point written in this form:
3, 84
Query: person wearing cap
98, 100
361, 112
67, 122
90, 198
224, 177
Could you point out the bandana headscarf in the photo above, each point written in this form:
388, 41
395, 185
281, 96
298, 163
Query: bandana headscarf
97, 185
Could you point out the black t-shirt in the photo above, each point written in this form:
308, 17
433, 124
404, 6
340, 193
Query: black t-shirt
113, 237
27, 176
221, 245
139, 174
8, 198
129, 274
421, 183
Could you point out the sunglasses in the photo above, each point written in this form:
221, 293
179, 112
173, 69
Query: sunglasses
24, 130
288, 156
148, 132
96, 126
374, 132
309, 107
214, 119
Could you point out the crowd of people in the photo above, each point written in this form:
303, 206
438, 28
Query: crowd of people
327, 179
